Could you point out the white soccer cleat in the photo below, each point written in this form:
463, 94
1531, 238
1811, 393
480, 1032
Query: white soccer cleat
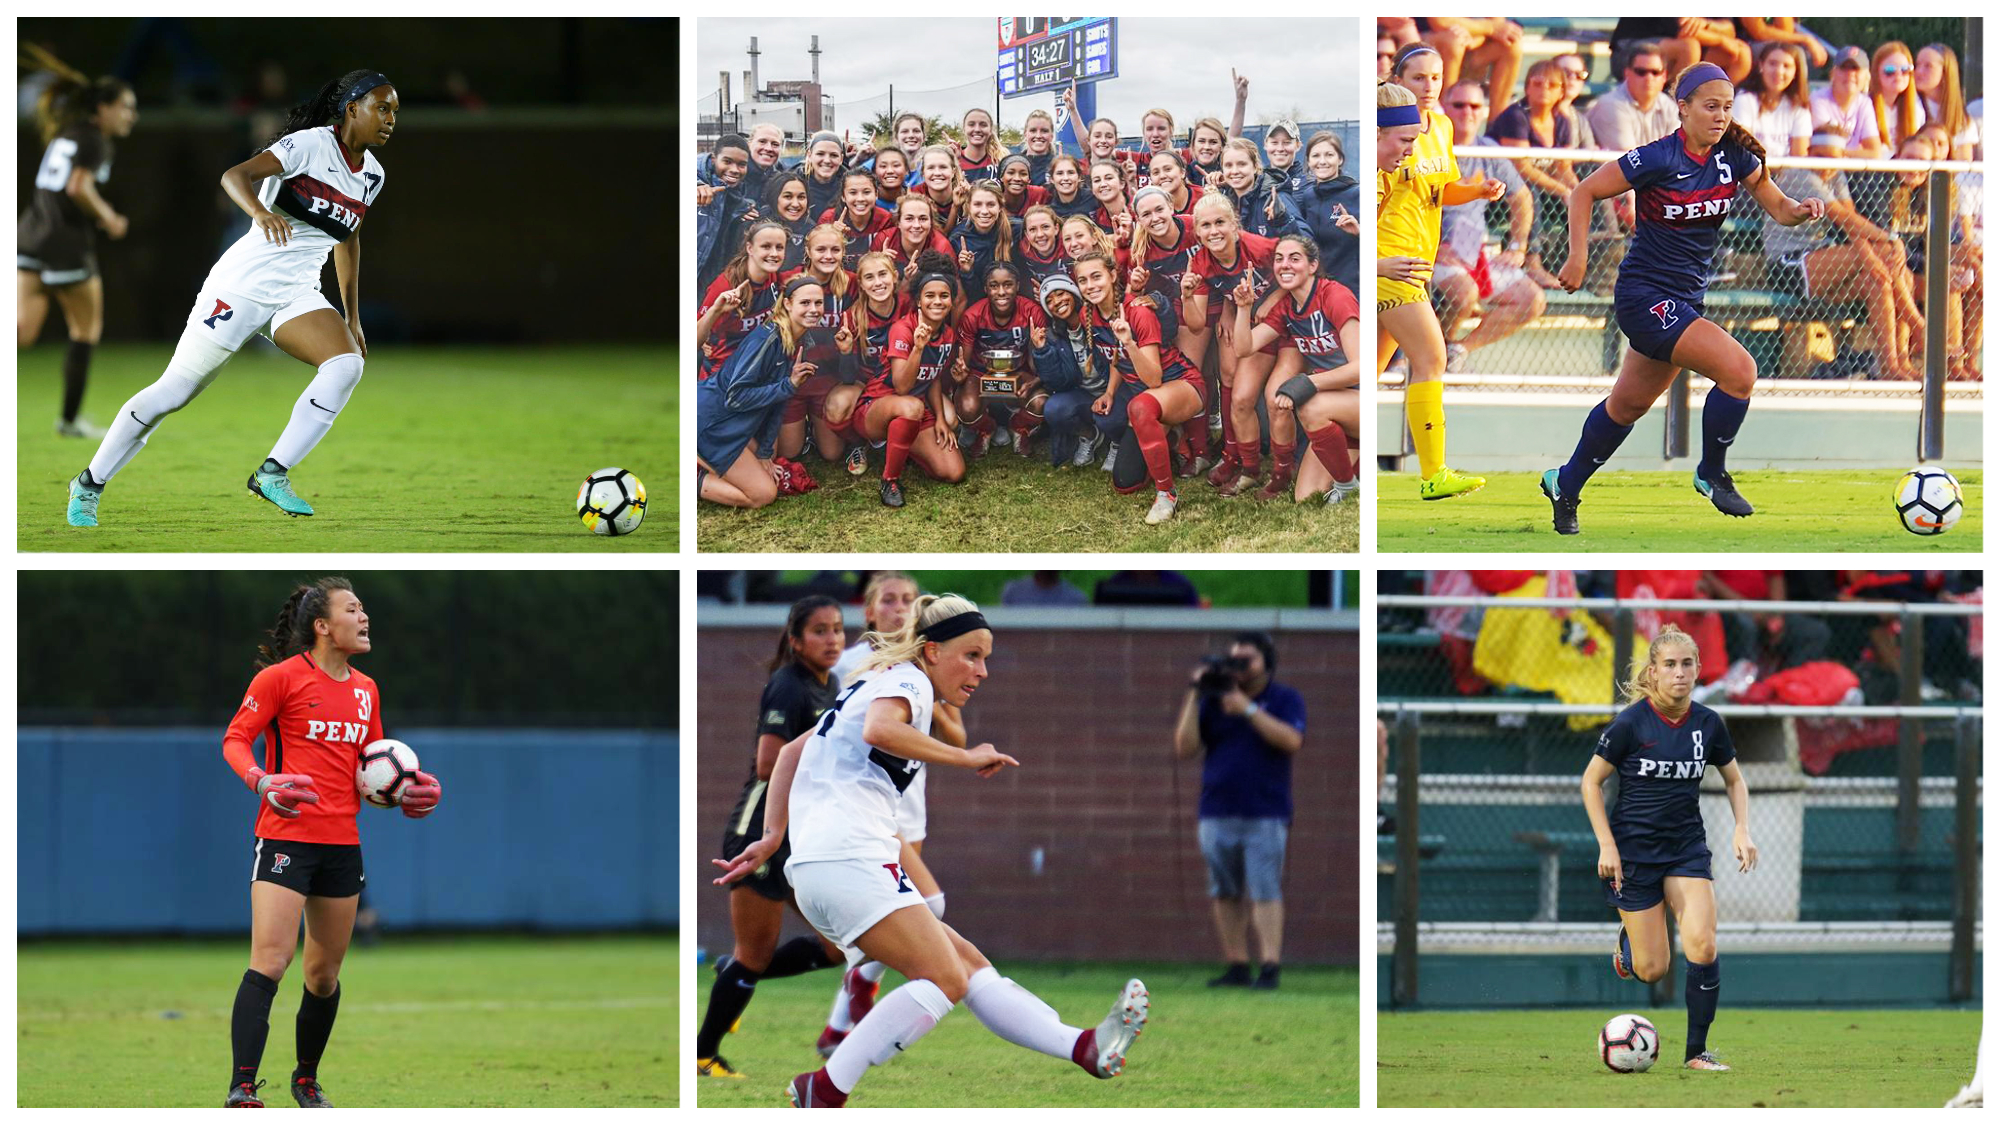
1114, 1036
1163, 507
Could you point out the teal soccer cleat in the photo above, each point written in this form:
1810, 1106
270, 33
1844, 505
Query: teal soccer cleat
269, 482
83, 501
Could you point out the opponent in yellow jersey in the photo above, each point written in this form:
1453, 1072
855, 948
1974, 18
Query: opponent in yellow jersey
1410, 207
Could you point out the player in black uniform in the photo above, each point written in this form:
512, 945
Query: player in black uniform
55, 241
1653, 848
801, 687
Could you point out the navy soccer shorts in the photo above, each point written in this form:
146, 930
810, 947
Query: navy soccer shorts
1653, 321
1645, 884
313, 870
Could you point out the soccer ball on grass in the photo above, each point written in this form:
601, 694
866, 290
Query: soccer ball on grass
611, 502
1928, 500
1629, 1044
387, 768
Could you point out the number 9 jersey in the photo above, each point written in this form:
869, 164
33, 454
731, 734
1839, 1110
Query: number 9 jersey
845, 792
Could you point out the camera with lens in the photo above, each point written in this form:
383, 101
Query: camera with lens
1220, 673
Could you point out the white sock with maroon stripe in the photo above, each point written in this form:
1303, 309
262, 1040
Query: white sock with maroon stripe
897, 1021
1017, 1015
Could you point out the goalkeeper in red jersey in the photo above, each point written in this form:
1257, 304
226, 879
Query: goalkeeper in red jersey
315, 713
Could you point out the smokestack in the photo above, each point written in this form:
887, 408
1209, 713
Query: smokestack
815, 58
724, 107
755, 86
749, 86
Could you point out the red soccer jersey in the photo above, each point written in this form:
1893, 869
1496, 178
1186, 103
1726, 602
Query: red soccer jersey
979, 333
730, 329
1314, 330
1032, 197
890, 242
311, 724
933, 365
1253, 263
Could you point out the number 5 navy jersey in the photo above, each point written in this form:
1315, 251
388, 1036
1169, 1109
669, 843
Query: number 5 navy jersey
1660, 764
1680, 205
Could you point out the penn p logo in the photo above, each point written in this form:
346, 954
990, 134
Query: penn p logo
279, 862
222, 312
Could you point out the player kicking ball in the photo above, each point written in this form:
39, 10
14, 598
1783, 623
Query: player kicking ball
320, 178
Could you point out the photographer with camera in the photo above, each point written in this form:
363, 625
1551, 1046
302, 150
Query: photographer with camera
1247, 727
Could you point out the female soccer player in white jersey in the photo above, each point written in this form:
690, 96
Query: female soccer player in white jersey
318, 181
847, 776
315, 712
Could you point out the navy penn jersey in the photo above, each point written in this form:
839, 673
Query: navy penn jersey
1314, 329
1084, 204
1038, 167
1040, 268
1681, 203
1660, 764
875, 334
984, 245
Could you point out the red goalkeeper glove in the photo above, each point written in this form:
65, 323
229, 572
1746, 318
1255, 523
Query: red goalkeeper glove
284, 792
421, 799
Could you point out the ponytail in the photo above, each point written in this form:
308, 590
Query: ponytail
906, 645
317, 110
71, 98
795, 627
293, 632
1735, 133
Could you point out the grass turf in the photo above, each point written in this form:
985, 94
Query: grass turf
457, 1021
441, 449
1013, 503
1832, 510
1781, 1057
1298, 1046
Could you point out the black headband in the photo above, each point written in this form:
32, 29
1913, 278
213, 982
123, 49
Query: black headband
360, 89
957, 624
930, 277
795, 284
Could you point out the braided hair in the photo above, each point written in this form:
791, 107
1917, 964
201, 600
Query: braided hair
72, 97
318, 110
293, 632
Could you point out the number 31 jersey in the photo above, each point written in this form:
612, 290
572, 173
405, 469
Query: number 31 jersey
322, 196
315, 725
845, 792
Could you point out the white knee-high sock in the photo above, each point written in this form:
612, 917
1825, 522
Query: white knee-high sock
870, 971
1017, 1015
897, 1021
137, 419
313, 414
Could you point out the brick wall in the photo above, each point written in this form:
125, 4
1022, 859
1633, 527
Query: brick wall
1090, 715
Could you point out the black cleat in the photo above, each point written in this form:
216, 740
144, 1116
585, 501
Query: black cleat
243, 1095
1722, 493
1565, 506
892, 494
306, 1092
1235, 976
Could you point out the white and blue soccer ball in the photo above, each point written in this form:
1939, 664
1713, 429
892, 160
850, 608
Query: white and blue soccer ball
611, 502
387, 768
1929, 500
1629, 1044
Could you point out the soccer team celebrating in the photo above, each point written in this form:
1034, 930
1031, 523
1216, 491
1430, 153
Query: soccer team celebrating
937, 299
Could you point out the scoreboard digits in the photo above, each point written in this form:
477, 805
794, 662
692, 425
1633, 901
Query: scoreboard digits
1041, 52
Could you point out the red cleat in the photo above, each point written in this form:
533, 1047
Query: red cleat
860, 994
814, 1090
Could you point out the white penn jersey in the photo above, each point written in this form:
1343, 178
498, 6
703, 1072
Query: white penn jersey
322, 196
845, 792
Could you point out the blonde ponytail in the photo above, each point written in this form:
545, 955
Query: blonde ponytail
906, 645
1644, 684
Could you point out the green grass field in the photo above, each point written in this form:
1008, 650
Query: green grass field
441, 449
1781, 1057
1298, 1046
1835, 510
440, 1021
1011, 503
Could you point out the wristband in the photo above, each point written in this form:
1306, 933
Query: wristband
1251, 710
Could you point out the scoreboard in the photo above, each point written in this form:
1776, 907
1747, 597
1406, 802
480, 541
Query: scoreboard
1041, 52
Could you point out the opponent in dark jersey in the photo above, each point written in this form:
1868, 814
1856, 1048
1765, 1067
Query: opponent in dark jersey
801, 687
741, 298
1127, 335
55, 241
1653, 848
316, 715
1688, 183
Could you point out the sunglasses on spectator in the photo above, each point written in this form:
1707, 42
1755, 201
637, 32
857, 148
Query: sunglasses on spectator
1576, 74
1895, 70
1648, 72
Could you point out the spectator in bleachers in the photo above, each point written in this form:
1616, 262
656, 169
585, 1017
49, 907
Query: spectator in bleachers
1908, 207
1843, 106
1893, 92
1042, 588
1385, 57
1686, 40
1467, 281
1811, 260
1943, 95
1785, 29
1636, 112
1533, 122
1483, 50
1774, 103
1576, 80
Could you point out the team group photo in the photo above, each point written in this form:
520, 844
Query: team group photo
1081, 285
1630, 230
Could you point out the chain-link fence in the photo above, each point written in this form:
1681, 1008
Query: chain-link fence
1865, 814
1878, 307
